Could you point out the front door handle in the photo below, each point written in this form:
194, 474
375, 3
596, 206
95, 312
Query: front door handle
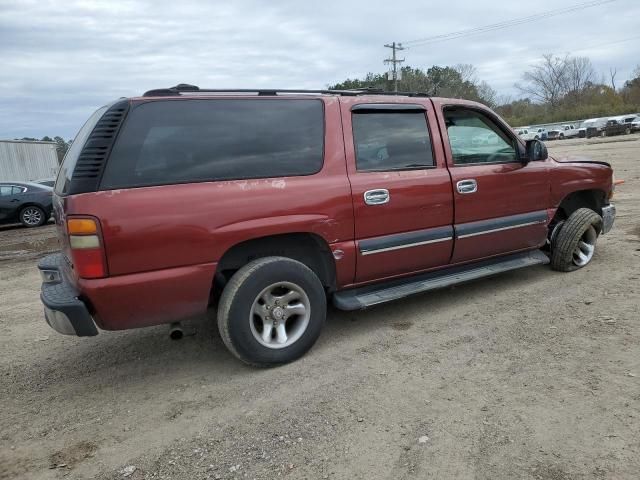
379, 196
467, 186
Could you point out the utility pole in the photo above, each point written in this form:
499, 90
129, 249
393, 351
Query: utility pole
394, 61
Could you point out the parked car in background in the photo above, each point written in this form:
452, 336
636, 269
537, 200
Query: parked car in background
25, 202
592, 127
302, 199
526, 134
48, 182
541, 134
616, 126
635, 124
562, 132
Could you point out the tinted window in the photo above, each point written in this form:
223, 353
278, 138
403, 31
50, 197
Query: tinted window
16, 190
474, 138
70, 159
391, 141
5, 190
165, 142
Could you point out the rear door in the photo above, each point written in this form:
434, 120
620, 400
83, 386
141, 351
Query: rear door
500, 202
400, 185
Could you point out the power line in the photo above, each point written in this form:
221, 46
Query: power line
394, 61
501, 25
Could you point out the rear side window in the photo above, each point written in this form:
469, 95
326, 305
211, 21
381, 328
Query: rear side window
181, 141
391, 141
63, 181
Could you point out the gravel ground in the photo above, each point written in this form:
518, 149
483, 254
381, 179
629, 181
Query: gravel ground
530, 375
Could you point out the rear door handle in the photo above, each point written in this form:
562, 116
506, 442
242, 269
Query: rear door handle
467, 186
379, 196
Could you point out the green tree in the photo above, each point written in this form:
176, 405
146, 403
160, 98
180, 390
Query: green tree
61, 147
455, 82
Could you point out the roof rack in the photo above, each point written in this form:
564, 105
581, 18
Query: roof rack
185, 88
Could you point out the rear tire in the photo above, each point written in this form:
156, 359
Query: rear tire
32, 216
272, 311
574, 245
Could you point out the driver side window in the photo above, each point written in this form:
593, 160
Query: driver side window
476, 139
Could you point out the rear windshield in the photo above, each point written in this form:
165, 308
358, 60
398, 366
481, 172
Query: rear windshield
180, 141
69, 163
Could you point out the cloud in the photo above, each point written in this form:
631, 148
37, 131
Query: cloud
63, 59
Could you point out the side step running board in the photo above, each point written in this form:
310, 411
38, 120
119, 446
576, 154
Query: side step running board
362, 297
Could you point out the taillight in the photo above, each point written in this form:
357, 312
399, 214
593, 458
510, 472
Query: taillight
87, 250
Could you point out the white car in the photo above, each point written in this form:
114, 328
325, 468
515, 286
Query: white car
527, 134
562, 132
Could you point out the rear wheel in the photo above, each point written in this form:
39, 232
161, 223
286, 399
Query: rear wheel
32, 216
272, 311
574, 245
627, 131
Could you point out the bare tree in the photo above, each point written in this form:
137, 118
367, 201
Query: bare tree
547, 81
487, 95
467, 72
580, 74
612, 73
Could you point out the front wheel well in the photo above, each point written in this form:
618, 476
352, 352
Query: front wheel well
591, 199
307, 248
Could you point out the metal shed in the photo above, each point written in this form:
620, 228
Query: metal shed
23, 160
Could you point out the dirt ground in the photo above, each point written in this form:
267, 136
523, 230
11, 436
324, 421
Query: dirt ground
529, 375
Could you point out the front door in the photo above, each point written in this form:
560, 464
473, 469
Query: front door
401, 188
500, 202
8, 201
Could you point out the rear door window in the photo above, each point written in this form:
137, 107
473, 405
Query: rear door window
391, 141
182, 141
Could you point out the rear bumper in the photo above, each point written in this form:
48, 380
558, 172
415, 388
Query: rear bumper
63, 310
608, 217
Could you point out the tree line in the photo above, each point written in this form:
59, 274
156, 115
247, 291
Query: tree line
553, 90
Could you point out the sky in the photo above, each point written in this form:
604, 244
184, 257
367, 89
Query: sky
61, 60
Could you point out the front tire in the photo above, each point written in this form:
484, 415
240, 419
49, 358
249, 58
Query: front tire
574, 245
272, 311
32, 216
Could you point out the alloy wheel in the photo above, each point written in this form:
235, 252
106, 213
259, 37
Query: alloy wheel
583, 252
32, 216
280, 315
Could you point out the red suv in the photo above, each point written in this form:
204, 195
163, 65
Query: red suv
271, 203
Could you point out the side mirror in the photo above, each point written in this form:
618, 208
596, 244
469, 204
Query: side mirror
536, 150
